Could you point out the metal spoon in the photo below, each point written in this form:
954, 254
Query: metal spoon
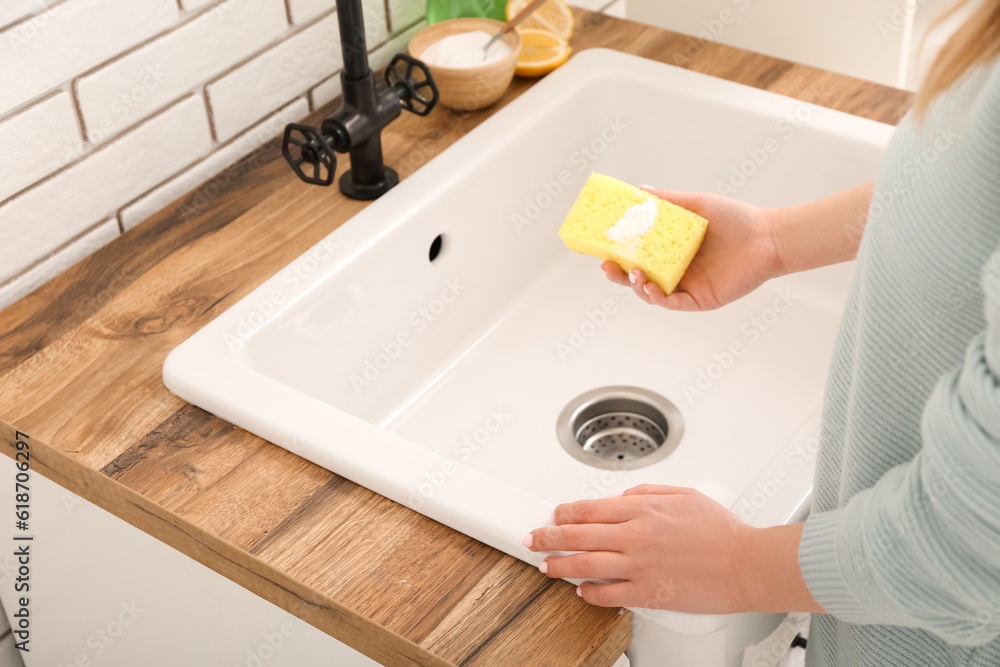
521, 15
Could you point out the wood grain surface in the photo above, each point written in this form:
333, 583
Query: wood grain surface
80, 363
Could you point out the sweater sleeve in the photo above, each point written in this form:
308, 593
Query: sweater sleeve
921, 548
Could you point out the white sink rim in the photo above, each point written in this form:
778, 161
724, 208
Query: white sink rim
474, 503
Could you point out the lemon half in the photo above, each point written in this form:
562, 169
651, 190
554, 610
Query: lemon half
541, 52
554, 16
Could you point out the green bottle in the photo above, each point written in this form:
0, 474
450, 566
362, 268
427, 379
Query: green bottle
495, 9
439, 10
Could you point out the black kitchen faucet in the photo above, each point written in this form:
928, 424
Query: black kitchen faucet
367, 106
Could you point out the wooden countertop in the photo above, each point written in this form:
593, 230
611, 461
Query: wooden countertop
80, 363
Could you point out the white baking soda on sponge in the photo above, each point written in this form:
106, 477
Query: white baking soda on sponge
617, 221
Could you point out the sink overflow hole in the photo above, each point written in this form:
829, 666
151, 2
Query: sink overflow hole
436, 247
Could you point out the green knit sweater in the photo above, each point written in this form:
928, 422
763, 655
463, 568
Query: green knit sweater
903, 544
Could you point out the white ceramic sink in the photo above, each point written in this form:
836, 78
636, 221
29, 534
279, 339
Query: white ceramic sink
438, 384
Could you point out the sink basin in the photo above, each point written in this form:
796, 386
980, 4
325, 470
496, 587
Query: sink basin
439, 382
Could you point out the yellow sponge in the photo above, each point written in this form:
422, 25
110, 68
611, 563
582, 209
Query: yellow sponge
614, 220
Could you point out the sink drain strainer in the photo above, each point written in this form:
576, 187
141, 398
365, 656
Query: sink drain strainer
619, 428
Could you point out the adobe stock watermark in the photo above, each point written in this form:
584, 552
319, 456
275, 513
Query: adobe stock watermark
219, 184
121, 109
550, 190
899, 15
764, 490
225, 7
751, 331
419, 321
713, 27
71, 502
598, 486
463, 449
769, 651
8, 569
889, 193
591, 323
418, 154
258, 654
985, 617
358, 42
102, 639
21, 33
785, 128
928, 330
887, 541
292, 277
448, 120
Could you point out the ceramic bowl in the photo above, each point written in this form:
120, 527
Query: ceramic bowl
469, 88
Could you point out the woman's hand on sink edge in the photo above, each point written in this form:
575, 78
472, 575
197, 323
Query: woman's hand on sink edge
674, 548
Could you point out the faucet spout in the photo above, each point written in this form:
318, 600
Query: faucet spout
367, 107
353, 42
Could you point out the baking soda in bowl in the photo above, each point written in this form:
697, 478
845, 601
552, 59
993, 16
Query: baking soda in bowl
464, 49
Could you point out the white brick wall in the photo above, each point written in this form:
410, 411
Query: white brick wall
36, 142
132, 87
47, 216
111, 109
65, 39
11, 10
275, 76
227, 154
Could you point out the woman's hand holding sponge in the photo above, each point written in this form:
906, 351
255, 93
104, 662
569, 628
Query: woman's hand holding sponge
679, 250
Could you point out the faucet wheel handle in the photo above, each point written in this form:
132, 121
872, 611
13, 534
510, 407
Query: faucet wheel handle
417, 95
311, 149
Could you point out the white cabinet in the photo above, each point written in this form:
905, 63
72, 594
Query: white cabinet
105, 594
869, 39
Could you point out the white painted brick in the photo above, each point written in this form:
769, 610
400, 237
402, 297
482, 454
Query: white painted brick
46, 50
41, 219
616, 9
330, 88
245, 143
404, 13
195, 4
327, 90
303, 10
381, 56
58, 262
11, 10
592, 5
36, 142
270, 80
157, 73
376, 23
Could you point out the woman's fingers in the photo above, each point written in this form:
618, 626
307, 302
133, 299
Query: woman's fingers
605, 510
657, 297
577, 537
614, 273
595, 565
637, 278
654, 294
622, 594
680, 301
657, 489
